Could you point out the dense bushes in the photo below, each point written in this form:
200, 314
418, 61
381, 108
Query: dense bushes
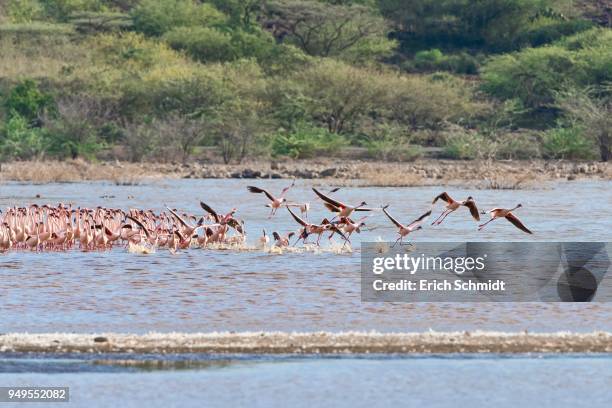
567, 143
156, 17
534, 75
161, 79
307, 142
435, 60
211, 45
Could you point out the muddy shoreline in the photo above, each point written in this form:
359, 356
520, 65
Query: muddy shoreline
310, 343
478, 174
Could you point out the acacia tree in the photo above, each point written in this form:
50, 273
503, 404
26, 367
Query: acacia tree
492, 24
74, 128
323, 29
582, 106
239, 119
339, 95
183, 132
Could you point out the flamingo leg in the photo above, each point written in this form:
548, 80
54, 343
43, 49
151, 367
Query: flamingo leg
436, 220
445, 215
396, 241
481, 226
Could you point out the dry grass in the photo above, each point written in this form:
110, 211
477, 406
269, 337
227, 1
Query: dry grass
50, 58
496, 175
381, 177
76, 170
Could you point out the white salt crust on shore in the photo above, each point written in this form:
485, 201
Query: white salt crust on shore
311, 342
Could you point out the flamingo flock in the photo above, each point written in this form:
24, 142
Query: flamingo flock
63, 227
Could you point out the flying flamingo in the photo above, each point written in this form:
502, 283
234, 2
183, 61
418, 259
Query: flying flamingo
343, 210
507, 214
453, 205
275, 202
404, 230
224, 220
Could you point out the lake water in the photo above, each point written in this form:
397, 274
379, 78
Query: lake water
286, 381
208, 290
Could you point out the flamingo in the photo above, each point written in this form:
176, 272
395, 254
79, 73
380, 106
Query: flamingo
507, 214
275, 202
404, 230
264, 240
282, 241
453, 205
319, 229
224, 220
343, 210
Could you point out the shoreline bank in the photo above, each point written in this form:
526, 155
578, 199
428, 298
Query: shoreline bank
478, 174
310, 343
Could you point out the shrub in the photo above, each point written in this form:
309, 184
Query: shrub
518, 145
133, 53
306, 142
428, 60
61, 10
463, 63
27, 101
74, 131
391, 143
211, 45
567, 143
140, 139
532, 75
202, 43
392, 149
462, 146
435, 60
593, 114
156, 17
420, 102
467, 145
23, 11
535, 75
546, 30
20, 141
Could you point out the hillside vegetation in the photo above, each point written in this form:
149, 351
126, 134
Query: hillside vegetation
174, 80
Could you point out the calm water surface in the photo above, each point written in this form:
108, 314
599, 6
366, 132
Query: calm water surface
356, 381
207, 290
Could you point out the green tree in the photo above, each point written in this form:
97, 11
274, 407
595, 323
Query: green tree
156, 17
494, 25
238, 121
211, 45
61, 10
28, 101
20, 141
535, 75
592, 113
242, 13
338, 95
325, 29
